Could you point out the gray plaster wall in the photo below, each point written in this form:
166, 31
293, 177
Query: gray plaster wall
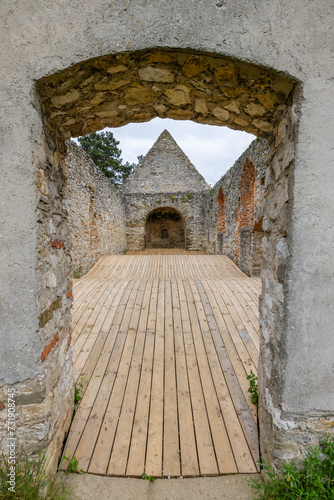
41, 38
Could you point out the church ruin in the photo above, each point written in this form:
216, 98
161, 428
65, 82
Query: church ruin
166, 203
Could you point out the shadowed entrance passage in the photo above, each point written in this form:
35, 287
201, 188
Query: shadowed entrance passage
163, 345
165, 229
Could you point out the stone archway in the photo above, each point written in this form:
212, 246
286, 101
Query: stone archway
221, 220
165, 228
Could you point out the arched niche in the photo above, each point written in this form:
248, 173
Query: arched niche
165, 228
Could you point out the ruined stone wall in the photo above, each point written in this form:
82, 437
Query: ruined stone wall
165, 169
235, 217
189, 205
96, 212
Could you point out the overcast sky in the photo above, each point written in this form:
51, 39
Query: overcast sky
213, 150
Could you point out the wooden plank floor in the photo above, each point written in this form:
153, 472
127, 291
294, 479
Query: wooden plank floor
163, 343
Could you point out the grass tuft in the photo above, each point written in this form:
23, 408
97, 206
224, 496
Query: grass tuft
31, 480
310, 479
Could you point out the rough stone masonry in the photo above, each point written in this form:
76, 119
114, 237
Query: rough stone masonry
74, 67
166, 203
235, 216
96, 212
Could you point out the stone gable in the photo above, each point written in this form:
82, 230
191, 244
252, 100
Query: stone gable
165, 169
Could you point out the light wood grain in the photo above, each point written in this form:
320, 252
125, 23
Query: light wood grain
163, 343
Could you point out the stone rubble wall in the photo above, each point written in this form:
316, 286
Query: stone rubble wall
96, 211
178, 85
165, 179
235, 210
282, 432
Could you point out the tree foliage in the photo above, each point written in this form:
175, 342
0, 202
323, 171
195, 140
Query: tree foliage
103, 149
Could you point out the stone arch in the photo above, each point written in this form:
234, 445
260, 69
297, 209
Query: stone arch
137, 86
165, 228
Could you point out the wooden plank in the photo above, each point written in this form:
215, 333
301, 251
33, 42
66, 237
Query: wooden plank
93, 344
201, 333
119, 456
232, 298
205, 447
89, 416
171, 449
100, 458
239, 444
239, 400
86, 305
226, 314
110, 307
237, 351
136, 460
91, 308
177, 340
188, 451
246, 302
155, 427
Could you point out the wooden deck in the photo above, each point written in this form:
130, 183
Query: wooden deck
164, 344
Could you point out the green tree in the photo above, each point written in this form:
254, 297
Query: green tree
103, 149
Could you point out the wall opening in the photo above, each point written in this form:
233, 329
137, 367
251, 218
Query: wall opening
129, 87
165, 228
221, 220
245, 217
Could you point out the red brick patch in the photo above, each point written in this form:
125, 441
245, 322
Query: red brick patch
221, 222
69, 341
1, 405
57, 244
64, 422
48, 348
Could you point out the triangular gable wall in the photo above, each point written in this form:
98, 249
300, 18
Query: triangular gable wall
165, 169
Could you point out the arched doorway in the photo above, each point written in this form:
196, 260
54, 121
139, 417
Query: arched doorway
245, 218
165, 228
